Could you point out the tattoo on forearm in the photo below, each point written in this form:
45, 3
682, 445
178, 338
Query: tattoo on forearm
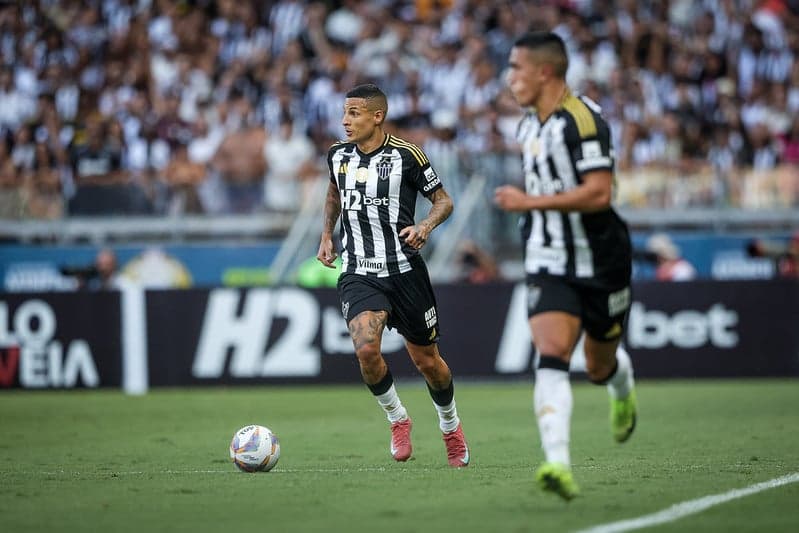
440, 211
332, 209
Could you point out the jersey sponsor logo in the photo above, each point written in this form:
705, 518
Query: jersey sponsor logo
361, 175
430, 185
355, 200
430, 174
370, 264
538, 186
591, 149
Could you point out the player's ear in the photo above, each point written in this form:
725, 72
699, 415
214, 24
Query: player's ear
379, 116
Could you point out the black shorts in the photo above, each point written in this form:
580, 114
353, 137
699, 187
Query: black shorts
603, 311
408, 298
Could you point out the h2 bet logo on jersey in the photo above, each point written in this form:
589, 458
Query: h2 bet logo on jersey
355, 200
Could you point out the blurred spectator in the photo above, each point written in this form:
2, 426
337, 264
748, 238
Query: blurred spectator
789, 144
101, 274
290, 166
107, 271
785, 255
696, 93
476, 265
671, 266
12, 194
103, 186
239, 163
183, 178
44, 198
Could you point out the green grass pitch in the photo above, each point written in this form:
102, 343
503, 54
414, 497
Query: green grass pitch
102, 461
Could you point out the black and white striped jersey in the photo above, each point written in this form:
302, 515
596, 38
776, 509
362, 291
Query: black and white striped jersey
378, 194
592, 248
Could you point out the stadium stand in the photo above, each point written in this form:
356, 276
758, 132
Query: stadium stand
172, 107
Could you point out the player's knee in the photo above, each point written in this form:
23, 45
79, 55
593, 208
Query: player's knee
368, 353
599, 371
555, 348
425, 364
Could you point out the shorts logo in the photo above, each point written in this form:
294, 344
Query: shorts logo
614, 331
430, 318
345, 309
432, 335
619, 301
533, 295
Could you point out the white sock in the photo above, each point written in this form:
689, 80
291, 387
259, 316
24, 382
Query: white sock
620, 385
552, 399
447, 417
392, 405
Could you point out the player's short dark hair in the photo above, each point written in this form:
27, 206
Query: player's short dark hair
368, 91
552, 47
375, 98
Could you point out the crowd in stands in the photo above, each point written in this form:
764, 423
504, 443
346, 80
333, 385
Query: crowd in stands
178, 107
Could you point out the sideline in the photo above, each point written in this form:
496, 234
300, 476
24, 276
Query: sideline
689, 507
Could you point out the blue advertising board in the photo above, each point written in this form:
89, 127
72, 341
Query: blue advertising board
37, 267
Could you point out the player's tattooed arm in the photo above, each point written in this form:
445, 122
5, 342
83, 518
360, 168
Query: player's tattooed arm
417, 235
332, 209
327, 253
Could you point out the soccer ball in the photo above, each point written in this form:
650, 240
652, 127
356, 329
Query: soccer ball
255, 448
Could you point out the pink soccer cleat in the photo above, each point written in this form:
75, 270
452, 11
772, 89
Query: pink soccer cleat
457, 449
401, 448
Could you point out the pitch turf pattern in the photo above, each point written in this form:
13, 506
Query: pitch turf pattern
104, 461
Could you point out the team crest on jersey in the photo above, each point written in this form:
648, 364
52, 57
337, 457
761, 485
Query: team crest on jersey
361, 175
384, 168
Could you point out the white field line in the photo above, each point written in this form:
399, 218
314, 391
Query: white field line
689, 507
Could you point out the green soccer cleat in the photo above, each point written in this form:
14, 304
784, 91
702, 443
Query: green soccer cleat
622, 417
557, 478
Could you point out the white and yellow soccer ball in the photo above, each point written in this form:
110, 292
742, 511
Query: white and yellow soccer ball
255, 448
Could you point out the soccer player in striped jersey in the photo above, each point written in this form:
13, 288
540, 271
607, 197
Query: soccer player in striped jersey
578, 256
375, 178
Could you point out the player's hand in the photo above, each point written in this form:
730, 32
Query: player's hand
510, 198
416, 236
327, 253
